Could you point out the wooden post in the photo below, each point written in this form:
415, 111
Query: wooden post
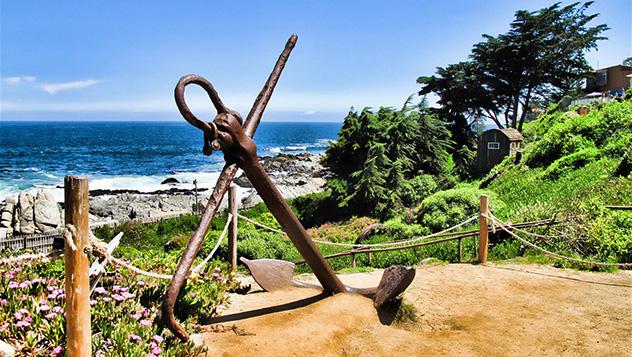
78, 330
483, 232
232, 228
195, 209
460, 251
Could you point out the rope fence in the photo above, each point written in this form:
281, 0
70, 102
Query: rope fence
505, 228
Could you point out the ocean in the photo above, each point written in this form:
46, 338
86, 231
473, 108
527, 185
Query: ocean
131, 155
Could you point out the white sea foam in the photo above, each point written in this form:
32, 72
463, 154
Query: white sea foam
130, 182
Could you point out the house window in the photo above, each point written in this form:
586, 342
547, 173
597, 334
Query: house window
494, 145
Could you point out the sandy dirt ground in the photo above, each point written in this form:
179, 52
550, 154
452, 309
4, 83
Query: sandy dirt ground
464, 310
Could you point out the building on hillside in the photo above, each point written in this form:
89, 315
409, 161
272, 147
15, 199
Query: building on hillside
494, 145
611, 80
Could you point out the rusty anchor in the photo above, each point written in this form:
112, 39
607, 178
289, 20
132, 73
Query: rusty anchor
233, 136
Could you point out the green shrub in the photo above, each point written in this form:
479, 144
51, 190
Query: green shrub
418, 188
447, 208
317, 208
571, 162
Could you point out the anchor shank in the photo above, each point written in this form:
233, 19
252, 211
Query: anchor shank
292, 226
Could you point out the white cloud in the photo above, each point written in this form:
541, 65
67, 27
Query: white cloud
52, 88
310, 112
18, 79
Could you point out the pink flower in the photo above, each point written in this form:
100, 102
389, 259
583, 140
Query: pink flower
100, 290
93, 302
51, 288
58, 350
158, 339
21, 324
134, 338
217, 269
18, 315
127, 295
50, 316
156, 351
13, 285
118, 297
140, 283
61, 296
107, 299
3, 302
43, 308
216, 276
25, 284
145, 322
57, 309
52, 296
116, 288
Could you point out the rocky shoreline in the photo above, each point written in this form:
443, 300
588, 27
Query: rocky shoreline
29, 213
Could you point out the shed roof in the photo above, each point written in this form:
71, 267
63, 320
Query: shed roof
512, 134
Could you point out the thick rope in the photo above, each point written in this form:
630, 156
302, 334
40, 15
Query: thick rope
350, 245
589, 262
199, 267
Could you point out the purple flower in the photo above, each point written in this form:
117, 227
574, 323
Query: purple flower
28, 319
145, 322
116, 288
18, 315
13, 285
3, 302
100, 290
216, 276
57, 309
21, 324
25, 284
51, 288
134, 338
107, 299
118, 297
156, 351
140, 283
158, 339
50, 316
93, 302
127, 295
52, 296
217, 269
61, 296
58, 350
43, 308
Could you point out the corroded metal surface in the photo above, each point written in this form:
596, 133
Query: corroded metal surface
223, 182
227, 133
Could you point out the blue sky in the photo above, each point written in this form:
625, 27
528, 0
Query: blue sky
120, 60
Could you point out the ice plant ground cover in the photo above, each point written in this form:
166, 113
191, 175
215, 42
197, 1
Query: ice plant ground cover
124, 308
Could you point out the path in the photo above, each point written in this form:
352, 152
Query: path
464, 310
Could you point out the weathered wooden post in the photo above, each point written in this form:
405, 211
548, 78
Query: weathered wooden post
483, 232
195, 210
460, 251
78, 330
232, 227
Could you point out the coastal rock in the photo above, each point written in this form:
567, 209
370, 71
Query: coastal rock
170, 180
25, 213
46, 212
7, 212
242, 181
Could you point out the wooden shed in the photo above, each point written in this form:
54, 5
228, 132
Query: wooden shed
494, 145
